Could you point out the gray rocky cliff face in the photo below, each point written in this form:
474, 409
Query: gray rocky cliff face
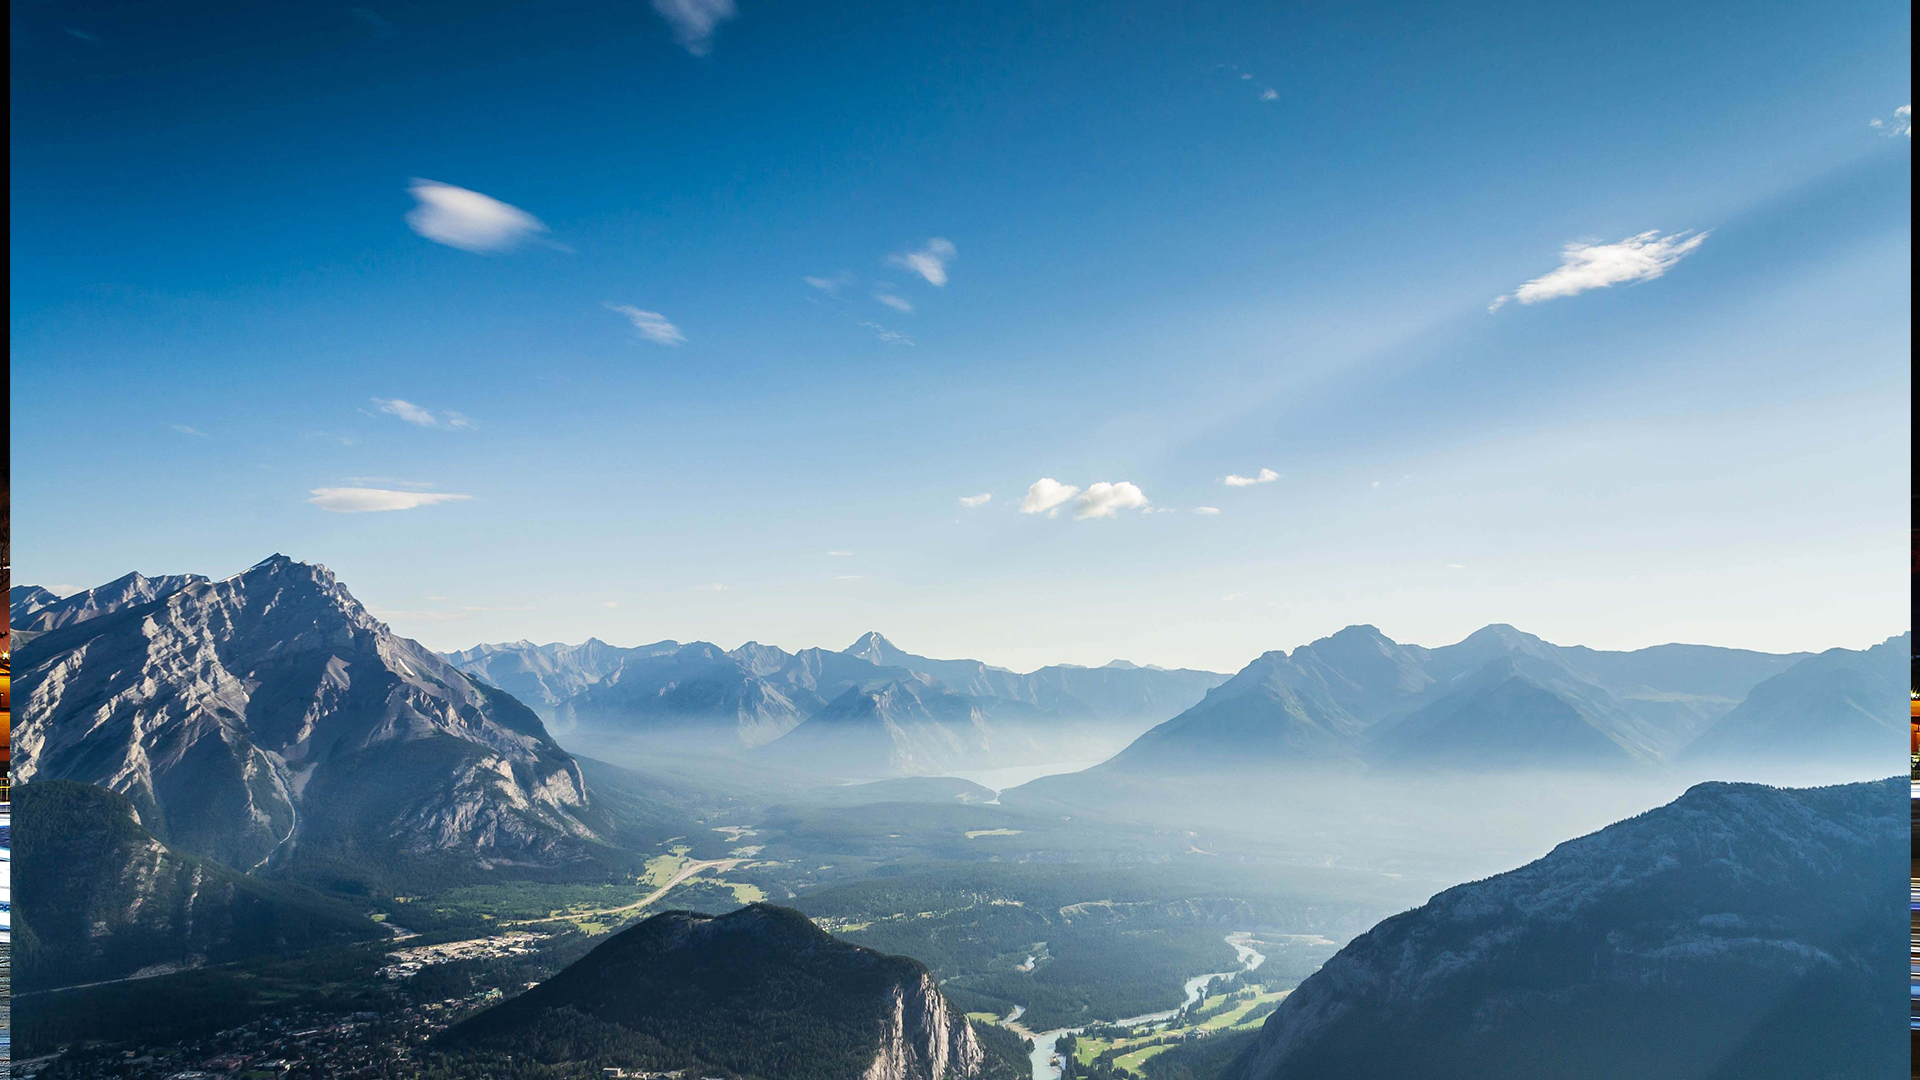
247, 716
922, 1038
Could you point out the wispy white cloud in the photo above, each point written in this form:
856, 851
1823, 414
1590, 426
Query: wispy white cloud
971, 501
830, 285
651, 324
840, 554
930, 262
1046, 495
1207, 510
1264, 476
360, 500
891, 337
609, 604
188, 429
849, 577
1901, 122
446, 419
694, 21
897, 303
1269, 94
1456, 566
1585, 266
469, 220
715, 587
1107, 500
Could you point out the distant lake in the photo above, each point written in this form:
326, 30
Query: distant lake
1015, 775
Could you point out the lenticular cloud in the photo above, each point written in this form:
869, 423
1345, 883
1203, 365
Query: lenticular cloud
1585, 266
468, 220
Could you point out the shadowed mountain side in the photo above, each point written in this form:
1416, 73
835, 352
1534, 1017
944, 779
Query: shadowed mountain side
104, 898
1739, 932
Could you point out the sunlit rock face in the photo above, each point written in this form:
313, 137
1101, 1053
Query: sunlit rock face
268, 714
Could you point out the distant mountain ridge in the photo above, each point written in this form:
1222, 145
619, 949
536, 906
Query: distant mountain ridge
1738, 932
1498, 699
268, 716
701, 695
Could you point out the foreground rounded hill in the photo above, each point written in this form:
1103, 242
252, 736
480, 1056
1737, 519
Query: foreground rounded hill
761, 992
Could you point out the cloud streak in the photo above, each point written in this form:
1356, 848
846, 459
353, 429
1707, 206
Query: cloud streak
446, 420
1900, 124
1264, 476
469, 220
930, 262
651, 324
694, 21
1585, 266
359, 500
973, 501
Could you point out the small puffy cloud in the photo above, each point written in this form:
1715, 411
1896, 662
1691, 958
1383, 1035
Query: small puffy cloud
1269, 94
982, 499
1584, 266
360, 500
651, 324
1900, 124
1210, 511
830, 285
413, 414
897, 303
930, 262
693, 21
889, 336
715, 587
1046, 495
1456, 566
469, 220
188, 429
1264, 476
1107, 500
609, 604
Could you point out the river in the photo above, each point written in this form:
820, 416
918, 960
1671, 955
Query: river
1043, 1041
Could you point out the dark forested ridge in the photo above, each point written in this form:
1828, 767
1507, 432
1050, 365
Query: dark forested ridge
761, 992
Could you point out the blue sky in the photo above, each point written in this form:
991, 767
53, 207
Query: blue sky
540, 274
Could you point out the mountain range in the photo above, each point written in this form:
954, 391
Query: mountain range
758, 993
268, 716
921, 714
1739, 932
1502, 699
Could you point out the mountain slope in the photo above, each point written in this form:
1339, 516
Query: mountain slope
268, 715
1740, 931
105, 898
1118, 691
542, 676
761, 992
1839, 707
904, 727
1500, 719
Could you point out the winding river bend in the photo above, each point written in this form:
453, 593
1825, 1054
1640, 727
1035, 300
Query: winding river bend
1043, 1041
